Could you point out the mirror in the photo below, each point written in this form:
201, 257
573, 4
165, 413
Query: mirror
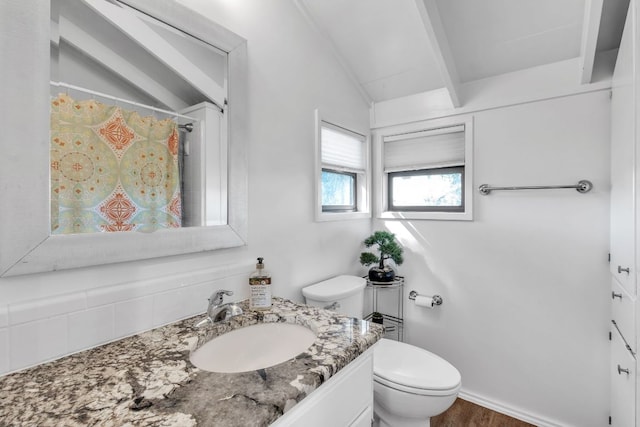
153, 69
138, 129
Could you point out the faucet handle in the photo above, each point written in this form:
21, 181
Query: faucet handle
216, 298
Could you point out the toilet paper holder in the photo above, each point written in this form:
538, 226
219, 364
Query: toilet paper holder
437, 299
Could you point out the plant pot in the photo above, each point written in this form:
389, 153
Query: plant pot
377, 318
386, 274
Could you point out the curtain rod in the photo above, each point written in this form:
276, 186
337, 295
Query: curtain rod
104, 95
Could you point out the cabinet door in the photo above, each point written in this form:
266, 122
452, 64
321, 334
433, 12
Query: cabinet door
623, 163
340, 401
364, 419
623, 311
623, 383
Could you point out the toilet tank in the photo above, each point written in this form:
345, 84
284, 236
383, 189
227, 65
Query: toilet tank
346, 291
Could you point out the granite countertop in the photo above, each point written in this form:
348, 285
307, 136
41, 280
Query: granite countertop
147, 379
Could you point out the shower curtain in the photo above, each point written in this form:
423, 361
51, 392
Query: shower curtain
112, 169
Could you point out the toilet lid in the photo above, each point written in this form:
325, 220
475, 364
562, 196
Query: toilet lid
410, 368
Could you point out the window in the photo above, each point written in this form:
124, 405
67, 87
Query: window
426, 171
435, 190
338, 191
342, 179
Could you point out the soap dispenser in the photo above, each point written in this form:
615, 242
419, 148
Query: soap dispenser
260, 288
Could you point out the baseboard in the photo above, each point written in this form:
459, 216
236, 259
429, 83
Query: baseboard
512, 412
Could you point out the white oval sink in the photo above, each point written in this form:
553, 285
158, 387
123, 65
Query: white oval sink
253, 347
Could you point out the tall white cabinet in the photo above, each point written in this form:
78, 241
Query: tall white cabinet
625, 170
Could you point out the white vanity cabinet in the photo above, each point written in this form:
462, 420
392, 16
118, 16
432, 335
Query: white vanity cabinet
623, 382
623, 314
625, 221
346, 399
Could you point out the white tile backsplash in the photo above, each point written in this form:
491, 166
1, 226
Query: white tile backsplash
40, 330
91, 327
129, 291
196, 296
112, 294
47, 307
133, 316
35, 342
168, 306
4, 350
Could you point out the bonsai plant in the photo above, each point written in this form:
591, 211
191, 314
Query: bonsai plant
388, 249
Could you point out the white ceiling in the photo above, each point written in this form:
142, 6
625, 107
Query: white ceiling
394, 48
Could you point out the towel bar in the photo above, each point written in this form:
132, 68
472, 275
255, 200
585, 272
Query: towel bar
582, 186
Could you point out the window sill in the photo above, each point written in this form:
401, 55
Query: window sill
443, 216
341, 216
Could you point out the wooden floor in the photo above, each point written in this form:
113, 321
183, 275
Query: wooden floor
467, 414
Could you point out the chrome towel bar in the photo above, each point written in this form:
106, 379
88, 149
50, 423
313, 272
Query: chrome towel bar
582, 186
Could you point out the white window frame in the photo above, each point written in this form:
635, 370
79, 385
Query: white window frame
381, 181
363, 181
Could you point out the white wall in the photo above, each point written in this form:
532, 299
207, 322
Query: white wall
525, 284
45, 316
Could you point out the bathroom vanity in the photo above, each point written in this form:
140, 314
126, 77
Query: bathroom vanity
147, 379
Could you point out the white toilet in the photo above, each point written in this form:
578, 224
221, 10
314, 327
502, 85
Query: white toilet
411, 385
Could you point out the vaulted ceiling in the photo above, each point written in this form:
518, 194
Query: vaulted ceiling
395, 48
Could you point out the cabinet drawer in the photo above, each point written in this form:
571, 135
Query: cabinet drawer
623, 312
622, 270
623, 384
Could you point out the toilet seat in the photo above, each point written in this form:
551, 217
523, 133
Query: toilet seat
410, 369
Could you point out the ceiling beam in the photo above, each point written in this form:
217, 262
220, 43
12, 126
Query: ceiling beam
54, 34
324, 35
590, 30
94, 49
156, 45
444, 58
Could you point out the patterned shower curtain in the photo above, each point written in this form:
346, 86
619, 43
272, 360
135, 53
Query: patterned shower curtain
112, 169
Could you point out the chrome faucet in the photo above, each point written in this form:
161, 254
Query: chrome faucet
217, 311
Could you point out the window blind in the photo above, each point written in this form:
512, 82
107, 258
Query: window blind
425, 149
342, 150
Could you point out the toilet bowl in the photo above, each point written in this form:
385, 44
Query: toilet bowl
411, 384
